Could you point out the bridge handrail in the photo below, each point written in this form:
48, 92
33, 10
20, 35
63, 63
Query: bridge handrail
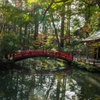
43, 53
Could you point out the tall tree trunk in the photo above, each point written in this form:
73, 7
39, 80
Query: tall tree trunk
20, 1
25, 35
68, 23
36, 33
87, 19
14, 27
62, 26
88, 14
29, 37
44, 29
20, 32
59, 46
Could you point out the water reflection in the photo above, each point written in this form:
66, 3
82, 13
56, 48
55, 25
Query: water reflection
69, 84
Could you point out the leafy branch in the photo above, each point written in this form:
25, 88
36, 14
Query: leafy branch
50, 6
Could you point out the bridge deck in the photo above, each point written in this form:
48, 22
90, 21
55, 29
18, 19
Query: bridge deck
35, 53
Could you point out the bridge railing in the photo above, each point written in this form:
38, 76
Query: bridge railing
30, 53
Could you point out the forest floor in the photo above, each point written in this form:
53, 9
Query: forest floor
77, 58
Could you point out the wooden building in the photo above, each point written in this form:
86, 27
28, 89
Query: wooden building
93, 45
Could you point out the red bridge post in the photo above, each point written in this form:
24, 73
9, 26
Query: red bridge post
13, 55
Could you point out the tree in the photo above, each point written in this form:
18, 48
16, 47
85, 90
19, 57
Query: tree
9, 44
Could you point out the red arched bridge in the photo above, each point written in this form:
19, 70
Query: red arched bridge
35, 53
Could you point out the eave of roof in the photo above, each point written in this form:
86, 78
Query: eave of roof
93, 37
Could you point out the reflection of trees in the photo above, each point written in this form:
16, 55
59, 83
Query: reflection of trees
14, 87
58, 86
89, 86
52, 85
17, 86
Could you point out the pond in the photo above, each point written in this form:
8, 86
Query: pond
43, 78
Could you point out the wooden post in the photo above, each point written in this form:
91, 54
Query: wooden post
70, 54
94, 59
77, 54
80, 53
97, 53
87, 51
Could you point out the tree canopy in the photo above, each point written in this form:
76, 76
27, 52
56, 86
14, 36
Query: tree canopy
58, 20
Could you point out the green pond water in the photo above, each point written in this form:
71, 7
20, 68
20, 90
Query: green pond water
43, 78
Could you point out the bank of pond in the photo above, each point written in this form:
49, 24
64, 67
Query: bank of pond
84, 66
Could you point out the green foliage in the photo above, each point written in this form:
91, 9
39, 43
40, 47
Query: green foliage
12, 14
8, 44
31, 13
